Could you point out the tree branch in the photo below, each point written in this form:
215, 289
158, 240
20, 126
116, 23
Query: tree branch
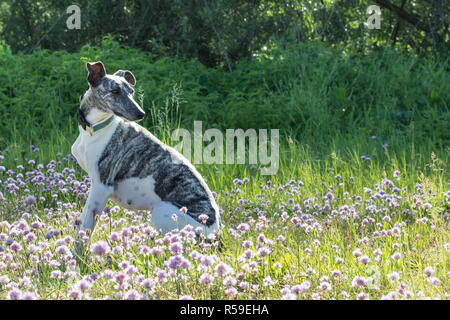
218, 36
409, 17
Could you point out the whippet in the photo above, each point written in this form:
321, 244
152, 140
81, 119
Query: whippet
129, 165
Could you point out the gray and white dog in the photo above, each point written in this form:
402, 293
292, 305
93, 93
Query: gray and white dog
129, 165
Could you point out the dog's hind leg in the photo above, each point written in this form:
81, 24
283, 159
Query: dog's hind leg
98, 196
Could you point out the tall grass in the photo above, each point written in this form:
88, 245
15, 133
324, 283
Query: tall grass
312, 231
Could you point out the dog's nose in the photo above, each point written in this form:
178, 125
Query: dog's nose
140, 115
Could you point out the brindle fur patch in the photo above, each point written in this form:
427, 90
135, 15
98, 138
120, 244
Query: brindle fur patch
134, 152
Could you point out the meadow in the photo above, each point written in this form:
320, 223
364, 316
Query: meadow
359, 208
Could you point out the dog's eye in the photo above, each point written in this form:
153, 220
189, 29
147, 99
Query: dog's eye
116, 90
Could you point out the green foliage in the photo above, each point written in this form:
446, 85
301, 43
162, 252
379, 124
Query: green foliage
210, 30
308, 91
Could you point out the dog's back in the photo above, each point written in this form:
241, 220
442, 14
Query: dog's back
133, 152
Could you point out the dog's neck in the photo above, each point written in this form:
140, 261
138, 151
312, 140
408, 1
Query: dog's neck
94, 120
95, 116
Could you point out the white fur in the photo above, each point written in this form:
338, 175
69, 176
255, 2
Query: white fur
87, 149
141, 199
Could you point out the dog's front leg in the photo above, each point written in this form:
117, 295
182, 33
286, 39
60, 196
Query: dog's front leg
98, 196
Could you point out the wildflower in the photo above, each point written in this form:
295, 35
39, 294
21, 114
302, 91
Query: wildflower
175, 262
364, 260
357, 253
207, 260
288, 296
335, 273
83, 285
16, 247
330, 196
359, 281
229, 281
4, 279
29, 296
14, 294
223, 269
183, 210
121, 277
243, 227
390, 296
315, 296
408, 294
248, 254
186, 297
198, 230
114, 236
94, 276
396, 256
132, 295
30, 200
203, 217
100, 248
206, 279
148, 283
62, 250
176, 248
393, 276
325, 286
231, 292
301, 288
56, 274
363, 296
119, 250
377, 252
263, 252
268, 282
23, 225
429, 271
434, 281
247, 244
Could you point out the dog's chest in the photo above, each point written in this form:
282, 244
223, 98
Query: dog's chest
87, 149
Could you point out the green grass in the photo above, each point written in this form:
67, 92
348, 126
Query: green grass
292, 261
400, 100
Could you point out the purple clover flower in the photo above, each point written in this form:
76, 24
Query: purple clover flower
100, 248
429, 271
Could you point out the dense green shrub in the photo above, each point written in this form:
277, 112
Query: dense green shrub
204, 29
310, 92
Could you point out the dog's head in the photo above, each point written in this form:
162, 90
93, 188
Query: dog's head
111, 93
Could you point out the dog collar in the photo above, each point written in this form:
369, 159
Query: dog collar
89, 127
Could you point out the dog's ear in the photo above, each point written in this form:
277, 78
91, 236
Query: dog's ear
96, 73
127, 75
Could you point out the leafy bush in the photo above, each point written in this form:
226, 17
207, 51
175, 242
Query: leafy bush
205, 29
308, 91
